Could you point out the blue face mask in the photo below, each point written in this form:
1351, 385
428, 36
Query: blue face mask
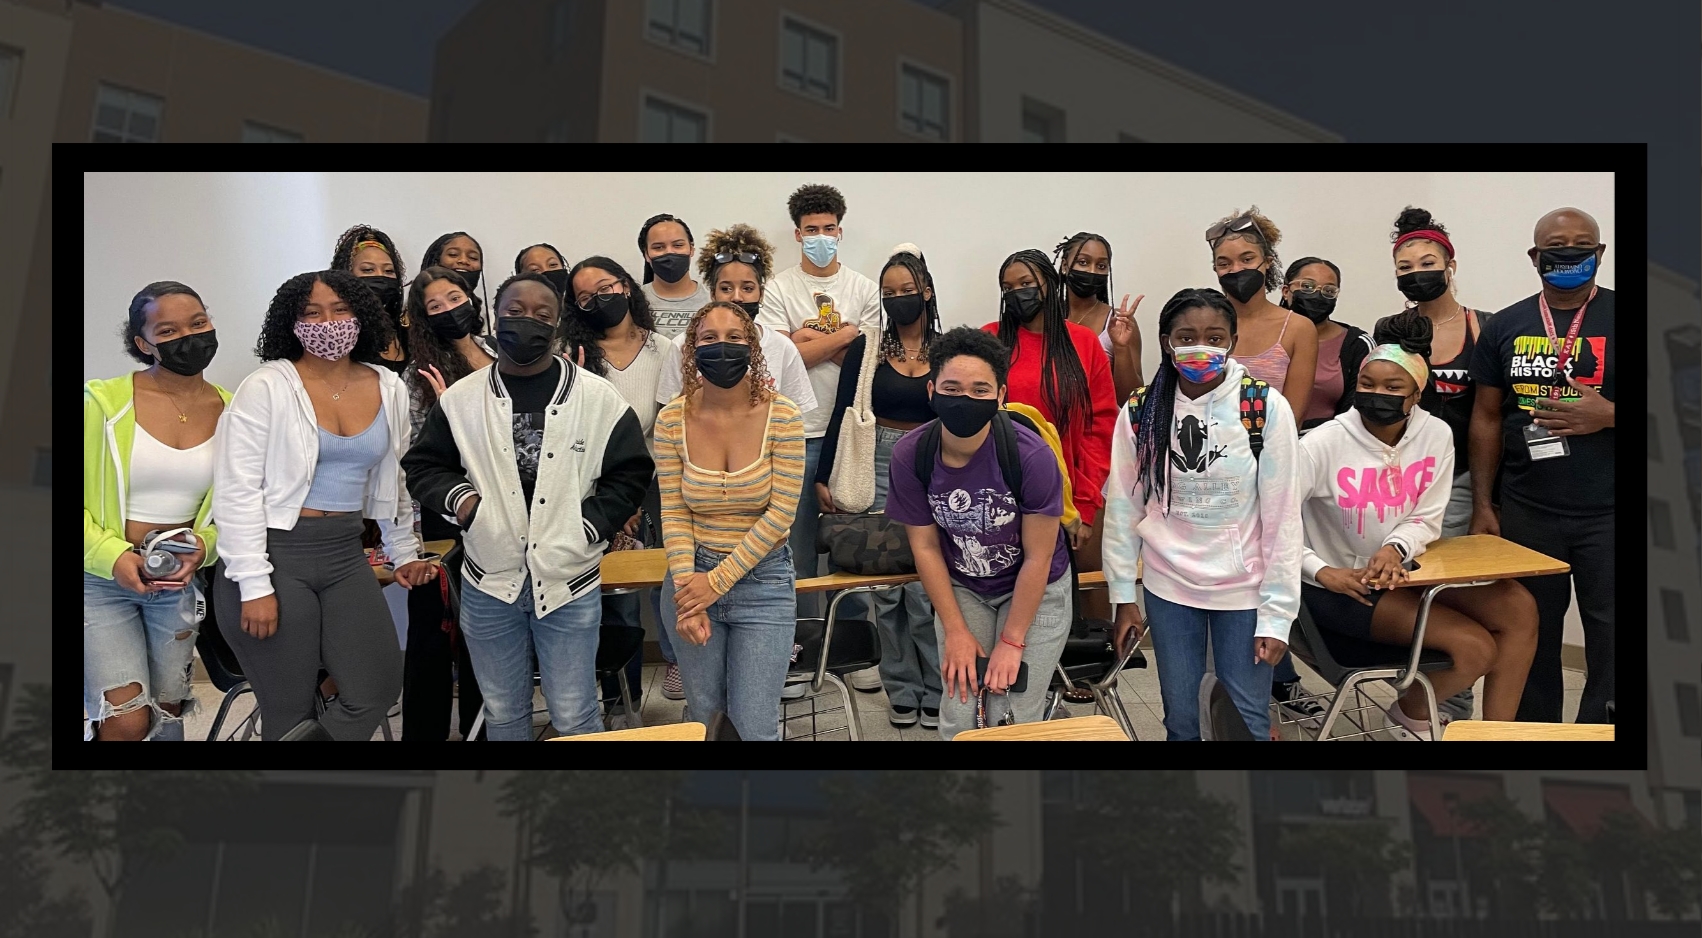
820, 249
1567, 267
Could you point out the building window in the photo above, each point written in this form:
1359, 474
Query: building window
1660, 523
1672, 604
11, 63
924, 103
260, 133
682, 24
1041, 123
1689, 710
1654, 440
42, 476
667, 122
1129, 138
809, 60
123, 116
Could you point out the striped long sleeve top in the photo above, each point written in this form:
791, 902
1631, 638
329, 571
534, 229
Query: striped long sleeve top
744, 513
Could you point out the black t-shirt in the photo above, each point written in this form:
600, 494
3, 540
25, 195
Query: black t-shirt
1514, 354
531, 395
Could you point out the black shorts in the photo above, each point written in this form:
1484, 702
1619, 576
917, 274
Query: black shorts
1340, 613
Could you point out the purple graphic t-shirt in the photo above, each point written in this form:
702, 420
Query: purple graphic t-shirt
979, 519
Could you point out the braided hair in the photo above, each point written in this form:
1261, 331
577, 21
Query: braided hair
434, 258
644, 235
1413, 332
277, 329
1063, 386
427, 349
1152, 440
762, 389
1064, 255
891, 347
575, 333
343, 258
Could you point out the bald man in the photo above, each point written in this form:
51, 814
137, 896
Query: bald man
1545, 375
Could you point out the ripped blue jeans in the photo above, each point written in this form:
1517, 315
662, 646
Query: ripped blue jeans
147, 640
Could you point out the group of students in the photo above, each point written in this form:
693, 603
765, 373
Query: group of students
722, 417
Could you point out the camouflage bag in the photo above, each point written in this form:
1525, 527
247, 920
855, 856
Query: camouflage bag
869, 544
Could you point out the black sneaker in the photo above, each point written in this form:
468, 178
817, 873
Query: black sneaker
1308, 712
931, 718
902, 717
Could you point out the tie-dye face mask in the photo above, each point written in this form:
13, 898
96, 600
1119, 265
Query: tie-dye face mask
1200, 364
330, 340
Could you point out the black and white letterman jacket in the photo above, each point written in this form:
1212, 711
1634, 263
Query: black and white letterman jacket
593, 471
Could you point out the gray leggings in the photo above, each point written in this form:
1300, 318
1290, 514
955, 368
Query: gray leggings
330, 611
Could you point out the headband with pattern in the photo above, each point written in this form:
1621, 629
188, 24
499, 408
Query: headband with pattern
1413, 362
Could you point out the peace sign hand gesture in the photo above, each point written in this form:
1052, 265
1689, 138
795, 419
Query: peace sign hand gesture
1122, 328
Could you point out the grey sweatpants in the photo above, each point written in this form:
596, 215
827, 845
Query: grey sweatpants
331, 612
985, 617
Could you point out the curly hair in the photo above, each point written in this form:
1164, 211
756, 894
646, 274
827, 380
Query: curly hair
1063, 386
1064, 254
918, 267
1416, 219
138, 319
427, 349
575, 333
1152, 441
343, 255
644, 235
1269, 237
521, 256
735, 239
277, 330
976, 343
816, 200
761, 384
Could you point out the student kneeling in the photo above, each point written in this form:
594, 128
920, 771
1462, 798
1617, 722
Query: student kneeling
539, 462
993, 561
1371, 503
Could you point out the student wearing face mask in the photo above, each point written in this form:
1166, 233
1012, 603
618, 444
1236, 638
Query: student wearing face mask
1544, 417
735, 264
820, 305
983, 517
665, 241
891, 369
458, 251
1374, 485
1084, 261
1245, 260
1311, 287
445, 344
540, 462
370, 255
730, 456
148, 467
545, 261
1203, 489
308, 447
1060, 369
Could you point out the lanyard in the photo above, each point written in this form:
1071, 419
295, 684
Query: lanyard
1562, 353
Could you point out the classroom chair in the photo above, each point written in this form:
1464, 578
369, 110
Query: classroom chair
1090, 661
830, 649
1346, 663
226, 674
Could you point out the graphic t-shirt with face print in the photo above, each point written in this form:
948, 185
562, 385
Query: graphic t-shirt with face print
531, 395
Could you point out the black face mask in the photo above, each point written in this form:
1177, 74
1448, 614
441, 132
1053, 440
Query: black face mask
1086, 283
387, 289
558, 278
606, 311
904, 310
1422, 286
396, 366
1243, 285
1024, 303
188, 355
1314, 306
1380, 409
671, 267
453, 324
751, 308
524, 339
962, 415
471, 276
723, 364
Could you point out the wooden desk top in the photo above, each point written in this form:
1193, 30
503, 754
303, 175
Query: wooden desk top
1094, 728
839, 581
1479, 557
634, 569
667, 732
1483, 731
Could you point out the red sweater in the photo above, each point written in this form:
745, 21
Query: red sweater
1086, 448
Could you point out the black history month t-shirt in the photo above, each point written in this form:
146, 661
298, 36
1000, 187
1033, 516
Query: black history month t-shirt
1515, 355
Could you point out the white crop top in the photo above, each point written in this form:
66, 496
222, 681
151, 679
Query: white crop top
168, 485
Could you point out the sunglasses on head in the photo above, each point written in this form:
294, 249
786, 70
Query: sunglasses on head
1238, 225
743, 257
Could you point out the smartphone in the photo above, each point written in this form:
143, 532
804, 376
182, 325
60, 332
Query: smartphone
1018, 686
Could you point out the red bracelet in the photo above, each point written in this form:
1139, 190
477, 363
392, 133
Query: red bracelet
1011, 643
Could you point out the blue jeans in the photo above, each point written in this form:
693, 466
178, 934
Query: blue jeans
1179, 636
147, 640
742, 668
501, 638
806, 562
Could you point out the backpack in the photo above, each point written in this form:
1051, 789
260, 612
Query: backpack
1253, 395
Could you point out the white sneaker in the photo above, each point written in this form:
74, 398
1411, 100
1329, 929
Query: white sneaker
1408, 730
867, 680
794, 691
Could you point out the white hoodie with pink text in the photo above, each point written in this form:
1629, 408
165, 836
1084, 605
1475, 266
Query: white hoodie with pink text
1359, 494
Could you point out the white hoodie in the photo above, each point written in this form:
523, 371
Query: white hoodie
1359, 495
1231, 537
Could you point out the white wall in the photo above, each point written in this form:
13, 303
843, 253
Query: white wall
235, 237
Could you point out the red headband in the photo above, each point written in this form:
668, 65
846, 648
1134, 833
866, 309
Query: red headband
1428, 234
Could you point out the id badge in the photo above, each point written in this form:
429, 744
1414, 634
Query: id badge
1545, 445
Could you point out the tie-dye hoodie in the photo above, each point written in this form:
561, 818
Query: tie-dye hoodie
1359, 494
1230, 538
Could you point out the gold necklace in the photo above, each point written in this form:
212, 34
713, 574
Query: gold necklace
336, 395
182, 415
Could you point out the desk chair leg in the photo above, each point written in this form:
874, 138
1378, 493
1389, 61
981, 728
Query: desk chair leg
1435, 716
237, 690
853, 724
1337, 704
478, 724
1109, 702
633, 715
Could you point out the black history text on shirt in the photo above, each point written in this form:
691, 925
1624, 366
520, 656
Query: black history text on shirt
1530, 372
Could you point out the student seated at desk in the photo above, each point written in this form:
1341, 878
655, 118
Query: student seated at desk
1375, 484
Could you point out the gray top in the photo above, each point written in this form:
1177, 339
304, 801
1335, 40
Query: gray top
672, 315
